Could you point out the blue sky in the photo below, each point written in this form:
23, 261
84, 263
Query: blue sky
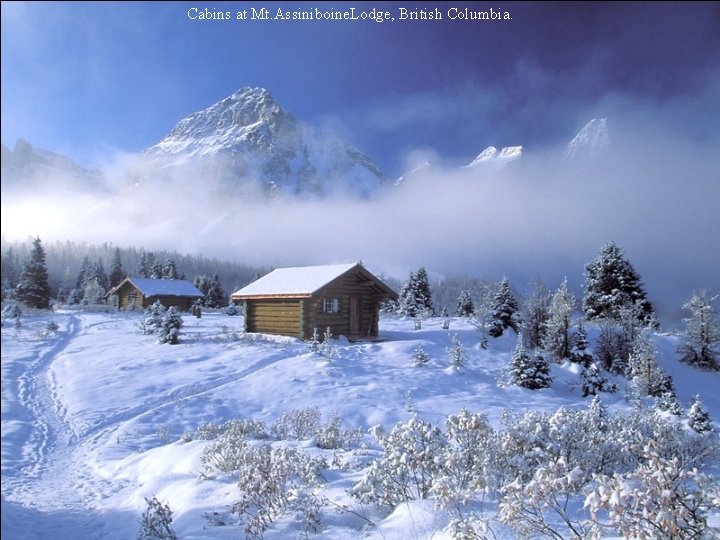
90, 79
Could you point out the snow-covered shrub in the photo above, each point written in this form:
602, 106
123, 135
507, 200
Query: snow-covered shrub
297, 424
456, 353
664, 497
332, 436
273, 481
232, 309
420, 357
225, 454
465, 458
156, 521
540, 506
249, 427
325, 347
209, 431
169, 330
12, 311
410, 461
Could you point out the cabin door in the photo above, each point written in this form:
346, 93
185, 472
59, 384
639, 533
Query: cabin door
355, 315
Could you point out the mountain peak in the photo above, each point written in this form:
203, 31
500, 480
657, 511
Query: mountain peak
252, 140
592, 140
490, 157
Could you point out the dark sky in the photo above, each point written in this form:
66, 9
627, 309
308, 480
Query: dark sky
90, 79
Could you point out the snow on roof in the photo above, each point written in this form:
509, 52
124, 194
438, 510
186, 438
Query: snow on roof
165, 287
300, 281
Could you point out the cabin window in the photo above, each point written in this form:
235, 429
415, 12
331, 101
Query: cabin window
331, 305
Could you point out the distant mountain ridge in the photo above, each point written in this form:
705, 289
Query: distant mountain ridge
28, 167
249, 139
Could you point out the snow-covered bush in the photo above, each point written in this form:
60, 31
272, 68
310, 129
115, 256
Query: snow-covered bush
664, 497
171, 323
225, 454
420, 357
12, 311
595, 381
466, 458
332, 436
156, 521
232, 309
410, 461
297, 424
273, 481
700, 346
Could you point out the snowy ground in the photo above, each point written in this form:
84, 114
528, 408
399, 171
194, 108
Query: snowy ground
93, 414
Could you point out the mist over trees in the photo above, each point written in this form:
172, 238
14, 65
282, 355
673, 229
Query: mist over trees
72, 266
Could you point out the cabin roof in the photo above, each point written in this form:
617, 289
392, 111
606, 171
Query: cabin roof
161, 287
300, 282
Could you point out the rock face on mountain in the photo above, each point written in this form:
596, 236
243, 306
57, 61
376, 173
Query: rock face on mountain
248, 142
29, 168
591, 142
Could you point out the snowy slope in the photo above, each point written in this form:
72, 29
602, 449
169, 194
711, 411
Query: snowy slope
496, 160
247, 138
93, 414
591, 142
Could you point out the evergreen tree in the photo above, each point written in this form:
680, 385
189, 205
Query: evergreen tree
613, 347
698, 417
558, 340
415, 298
117, 272
144, 267
157, 270
215, 296
579, 353
202, 284
169, 330
33, 287
611, 283
529, 371
170, 270
465, 306
504, 312
82, 276
593, 380
647, 376
536, 313
699, 346
10, 270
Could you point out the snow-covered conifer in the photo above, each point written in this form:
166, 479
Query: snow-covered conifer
169, 330
611, 282
153, 318
504, 312
420, 357
215, 296
465, 306
579, 353
117, 272
698, 417
647, 376
415, 297
529, 370
170, 270
457, 353
33, 288
700, 346
594, 381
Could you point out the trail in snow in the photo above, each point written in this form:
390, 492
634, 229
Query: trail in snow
50, 479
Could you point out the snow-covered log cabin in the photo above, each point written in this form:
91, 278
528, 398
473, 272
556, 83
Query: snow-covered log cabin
295, 301
142, 292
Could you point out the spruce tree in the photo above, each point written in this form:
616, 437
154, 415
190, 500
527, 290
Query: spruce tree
465, 306
700, 342
612, 283
170, 270
215, 296
144, 267
422, 293
580, 353
415, 298
698, 417
529, 370
504, 311
117, 272
33, 287
10, 270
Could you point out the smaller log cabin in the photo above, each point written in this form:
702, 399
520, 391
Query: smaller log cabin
143, 292
295, 301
